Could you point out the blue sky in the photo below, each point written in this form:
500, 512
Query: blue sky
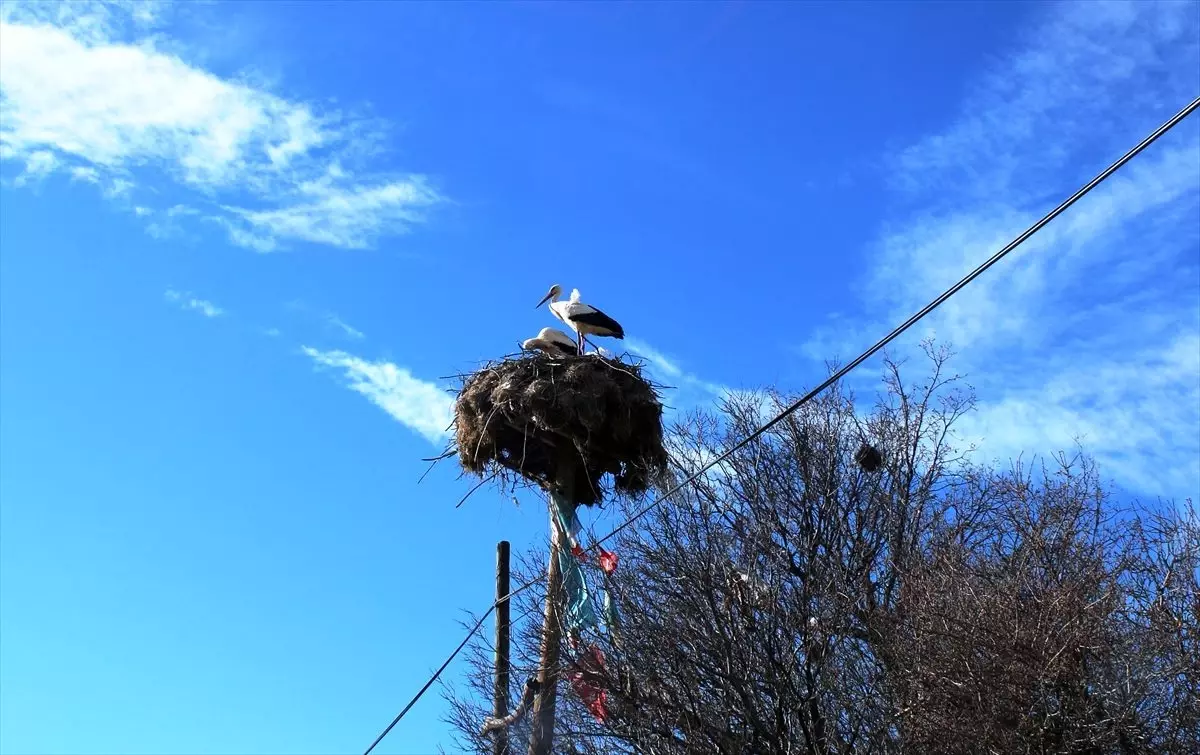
241, 243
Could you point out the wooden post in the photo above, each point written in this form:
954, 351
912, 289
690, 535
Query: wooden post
500, 685
541, 741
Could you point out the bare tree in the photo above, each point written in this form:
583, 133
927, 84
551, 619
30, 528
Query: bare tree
791, 601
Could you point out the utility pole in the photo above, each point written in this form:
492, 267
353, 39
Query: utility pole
541, 741
500, 685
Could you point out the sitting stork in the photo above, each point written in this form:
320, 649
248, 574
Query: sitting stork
553, 342
582, 318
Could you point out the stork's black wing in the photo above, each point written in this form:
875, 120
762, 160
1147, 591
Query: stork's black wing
597, 319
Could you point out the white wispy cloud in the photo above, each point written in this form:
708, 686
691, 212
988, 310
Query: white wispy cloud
419, 405
84, 173
689, 388
1088, 331
165, 224
347, 329
88, 89
659, 361
38, 164
118, 188
328, 212
187, 301
1140, 410
1082, 77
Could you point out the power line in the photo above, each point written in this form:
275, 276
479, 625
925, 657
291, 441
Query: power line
899, 330
438, 673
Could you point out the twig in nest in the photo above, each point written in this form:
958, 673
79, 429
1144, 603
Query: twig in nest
524, 447
480, 484
483, 434
428, 469
433, 460
613, 366
491, 724
439, 457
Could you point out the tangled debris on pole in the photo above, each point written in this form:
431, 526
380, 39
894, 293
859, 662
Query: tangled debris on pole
526, 417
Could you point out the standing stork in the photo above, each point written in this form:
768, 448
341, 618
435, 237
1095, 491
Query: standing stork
582, 318
552, 341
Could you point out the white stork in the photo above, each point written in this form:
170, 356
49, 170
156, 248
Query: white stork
582, 318
554, 342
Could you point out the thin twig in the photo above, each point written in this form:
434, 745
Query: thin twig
449, 452
479, 485
483, 433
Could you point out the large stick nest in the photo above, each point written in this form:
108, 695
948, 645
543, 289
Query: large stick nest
532, 415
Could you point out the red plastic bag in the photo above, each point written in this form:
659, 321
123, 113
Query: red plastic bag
608, 561
587, 676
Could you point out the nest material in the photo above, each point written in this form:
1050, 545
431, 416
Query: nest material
869, 457
535, 415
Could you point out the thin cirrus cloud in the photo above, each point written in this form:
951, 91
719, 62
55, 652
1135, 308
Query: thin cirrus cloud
165, 224
1090, 331
187, 301
421, 406
344, 327
87, 90
682, 388
38, 163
